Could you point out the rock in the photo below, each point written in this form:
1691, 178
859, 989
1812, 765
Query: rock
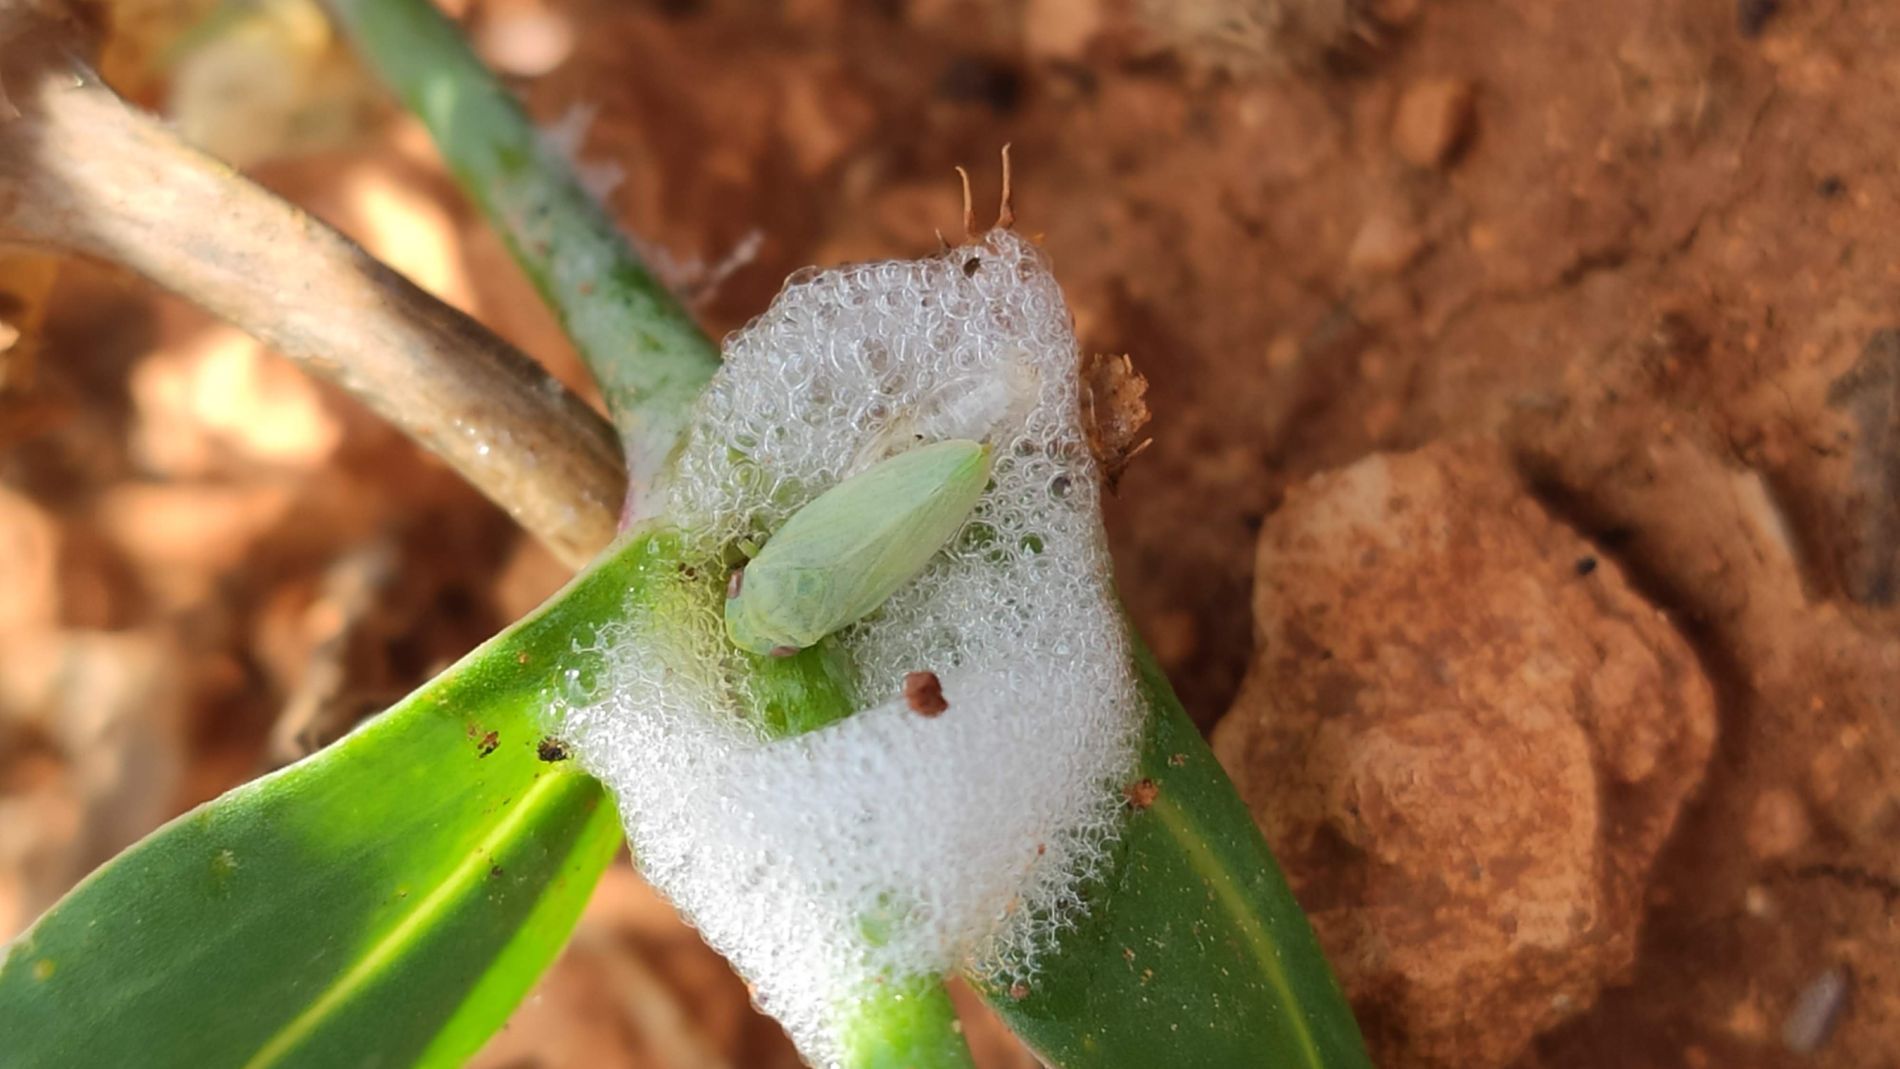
1778, 825
1865, 519
1385, 244
822, 116
1432, 122
1060, 29
1817, 1010
1394, 14
1465, 748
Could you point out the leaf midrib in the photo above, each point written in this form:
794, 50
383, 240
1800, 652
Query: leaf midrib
1220, 880
431, 908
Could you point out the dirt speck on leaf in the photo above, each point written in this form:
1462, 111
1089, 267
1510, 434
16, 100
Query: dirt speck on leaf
1141, 794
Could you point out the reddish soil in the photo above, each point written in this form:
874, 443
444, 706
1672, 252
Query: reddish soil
1649, 251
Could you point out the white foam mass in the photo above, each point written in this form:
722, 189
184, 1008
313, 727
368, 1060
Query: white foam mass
886, 845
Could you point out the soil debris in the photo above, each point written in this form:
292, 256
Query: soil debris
1433, 122
1141, 794
1817, 1011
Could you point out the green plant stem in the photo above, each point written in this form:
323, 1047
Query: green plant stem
905, 1025
804, 692
1194, 876
641, 345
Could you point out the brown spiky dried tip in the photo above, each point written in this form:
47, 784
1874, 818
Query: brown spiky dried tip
1114, 410
923, 691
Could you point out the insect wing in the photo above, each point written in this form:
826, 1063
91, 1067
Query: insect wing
838, 558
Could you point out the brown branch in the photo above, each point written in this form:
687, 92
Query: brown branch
82, 172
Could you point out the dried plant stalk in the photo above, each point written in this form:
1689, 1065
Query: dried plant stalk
82, 172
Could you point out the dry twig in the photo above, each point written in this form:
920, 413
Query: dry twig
82, 172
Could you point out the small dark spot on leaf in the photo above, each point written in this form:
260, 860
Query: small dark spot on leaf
551, 749
494, 871
923, 691
1586, 565
1141, 794
488, 743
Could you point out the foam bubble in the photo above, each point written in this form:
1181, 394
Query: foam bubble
886, 845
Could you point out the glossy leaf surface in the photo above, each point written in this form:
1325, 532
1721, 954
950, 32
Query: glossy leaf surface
387, 901
1194, 952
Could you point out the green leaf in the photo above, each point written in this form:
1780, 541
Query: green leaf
1194, 951
387, 901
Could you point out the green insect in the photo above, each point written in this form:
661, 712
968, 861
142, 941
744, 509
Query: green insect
839, 557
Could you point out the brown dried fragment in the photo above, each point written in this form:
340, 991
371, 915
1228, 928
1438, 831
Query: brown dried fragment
1019, 991
735, 583
487, 744
551, 750
1176, 760
1141, 794
1114, 410
923, 691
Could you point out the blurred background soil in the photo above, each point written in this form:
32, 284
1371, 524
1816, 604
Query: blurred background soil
1524, 507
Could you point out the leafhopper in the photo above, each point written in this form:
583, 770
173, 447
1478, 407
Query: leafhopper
836, 560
